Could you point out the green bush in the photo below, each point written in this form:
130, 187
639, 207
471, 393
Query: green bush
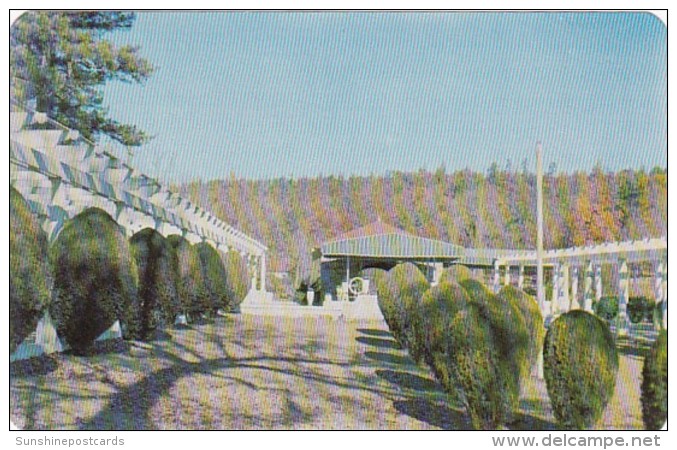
532, 317
438, 306
29, 274
456, 274
464, 355
159, 301
580, 366
399, 295
655, 384
606, 308
640, 309
238, 281
410, 285
214, 275
95, 280
510, 334
658, 314
389, 304
190, 283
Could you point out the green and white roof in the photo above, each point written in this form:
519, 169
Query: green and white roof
379, 240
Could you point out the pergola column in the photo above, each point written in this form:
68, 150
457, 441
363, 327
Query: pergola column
623, 294
598, 282
520, 277
587, 293
554, 303
574, 288
497, 276
660, 289
262, 272
564, 304
506, 279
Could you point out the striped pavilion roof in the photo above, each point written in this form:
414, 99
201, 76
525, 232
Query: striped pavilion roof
380, 240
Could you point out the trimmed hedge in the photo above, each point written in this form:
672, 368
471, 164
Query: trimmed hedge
95, 280
464, 356
29, 274
190, 283
214, 274
580, 365
404, 289
159, 301
533, 319
511, 338
455, 274
606, 308
411, 285
655, 384
641, 309
438, 306
238, 281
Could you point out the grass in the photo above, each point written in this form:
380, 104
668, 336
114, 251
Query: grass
264, 372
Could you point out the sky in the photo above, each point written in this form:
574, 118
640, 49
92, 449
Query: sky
262, 95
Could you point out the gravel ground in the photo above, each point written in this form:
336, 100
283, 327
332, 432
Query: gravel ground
264, 372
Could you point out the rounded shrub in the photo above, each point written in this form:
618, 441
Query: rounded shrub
580, 365
238, 281
438, 306
463, 352
190, 283
159, 302
95, 280
511, 337
606, 308
640, 309
412, 285
405, 288
455, 274
389, 304
214, 274
533, 319
655, 384
29, 274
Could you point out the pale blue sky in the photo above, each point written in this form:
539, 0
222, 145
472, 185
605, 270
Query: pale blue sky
264, 94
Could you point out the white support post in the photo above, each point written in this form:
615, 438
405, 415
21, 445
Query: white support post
598, 282
497, 277
520, 277
262, 272
574, 288
506, 279
623, 294
658, 281
664, 292
587, 294
564, 305
554, 301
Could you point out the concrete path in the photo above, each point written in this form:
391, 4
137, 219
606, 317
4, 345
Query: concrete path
256, 372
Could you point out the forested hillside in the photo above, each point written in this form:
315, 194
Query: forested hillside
498, 209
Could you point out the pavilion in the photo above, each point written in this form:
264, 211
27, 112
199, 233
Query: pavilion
378, 245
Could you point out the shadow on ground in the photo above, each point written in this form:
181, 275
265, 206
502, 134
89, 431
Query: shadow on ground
527, 422
377, 342
406, 380
389, 358
374, 332
27, 368
433, 413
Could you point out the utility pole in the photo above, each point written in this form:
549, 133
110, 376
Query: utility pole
540, 289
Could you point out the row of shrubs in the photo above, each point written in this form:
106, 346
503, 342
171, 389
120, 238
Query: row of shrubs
640, 309
481, 347
92, 276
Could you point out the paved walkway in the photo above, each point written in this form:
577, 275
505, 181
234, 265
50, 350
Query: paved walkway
256, 372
